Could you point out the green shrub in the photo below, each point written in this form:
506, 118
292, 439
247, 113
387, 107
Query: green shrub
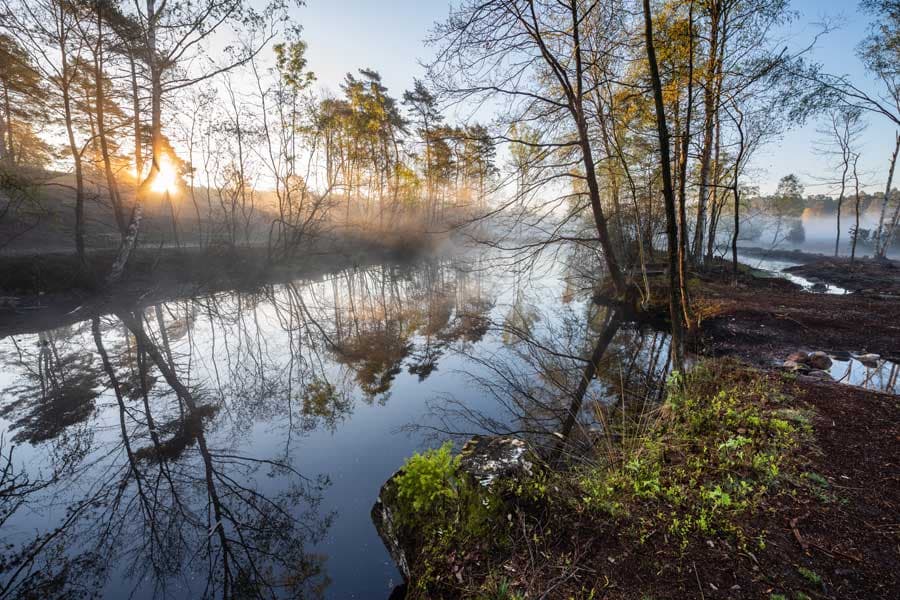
428, 482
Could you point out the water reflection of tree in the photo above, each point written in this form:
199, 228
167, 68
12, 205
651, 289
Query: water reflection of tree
178, 509
164, 497
558, 376
387, 317
57, 389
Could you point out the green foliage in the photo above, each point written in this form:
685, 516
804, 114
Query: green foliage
290, 60
719, 448
809, 575
428, 482
446, 512
817, 479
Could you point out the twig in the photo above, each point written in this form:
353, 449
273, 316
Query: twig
796, 531
699, 586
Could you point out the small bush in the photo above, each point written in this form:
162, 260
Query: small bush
428, 482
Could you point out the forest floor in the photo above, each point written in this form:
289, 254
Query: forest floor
47, 290
828, 528
839, 538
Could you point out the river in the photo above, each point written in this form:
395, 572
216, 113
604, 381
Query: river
232, 444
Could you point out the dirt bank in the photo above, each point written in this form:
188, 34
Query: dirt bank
830, 532
764, 320
863, 276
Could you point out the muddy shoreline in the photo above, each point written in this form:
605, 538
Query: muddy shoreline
763, 321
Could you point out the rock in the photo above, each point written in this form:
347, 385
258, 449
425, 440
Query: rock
819, 287
869, 360
384, 519
484, 459
798, 357
792, 365
817, 374
841, 355
819, 361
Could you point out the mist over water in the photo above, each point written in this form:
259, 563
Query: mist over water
820, 231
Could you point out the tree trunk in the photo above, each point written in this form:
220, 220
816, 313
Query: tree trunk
131, 235
682, 179
856, 227
840, 204
76, 159
676, 309
136, 108
9, 152
880, 245
100, 98
590, 171
710, 109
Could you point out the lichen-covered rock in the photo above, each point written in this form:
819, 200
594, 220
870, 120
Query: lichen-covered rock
487, 458
484, 459
385, 521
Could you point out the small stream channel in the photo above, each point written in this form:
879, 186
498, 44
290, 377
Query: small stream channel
873, 373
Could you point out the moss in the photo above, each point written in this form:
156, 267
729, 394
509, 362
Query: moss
810, 575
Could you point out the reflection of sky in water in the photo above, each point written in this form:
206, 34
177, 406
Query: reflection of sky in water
885, 377
316, 376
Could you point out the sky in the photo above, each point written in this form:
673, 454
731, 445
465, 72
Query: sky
387, 35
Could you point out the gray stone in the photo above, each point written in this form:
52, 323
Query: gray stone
791, 365
817, 374
798, 357
869, 360
819, 361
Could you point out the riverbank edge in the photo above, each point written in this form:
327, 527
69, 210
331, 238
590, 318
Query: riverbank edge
44, 291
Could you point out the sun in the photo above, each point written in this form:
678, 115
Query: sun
166, 179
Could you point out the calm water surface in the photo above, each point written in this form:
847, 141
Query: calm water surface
232, 444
